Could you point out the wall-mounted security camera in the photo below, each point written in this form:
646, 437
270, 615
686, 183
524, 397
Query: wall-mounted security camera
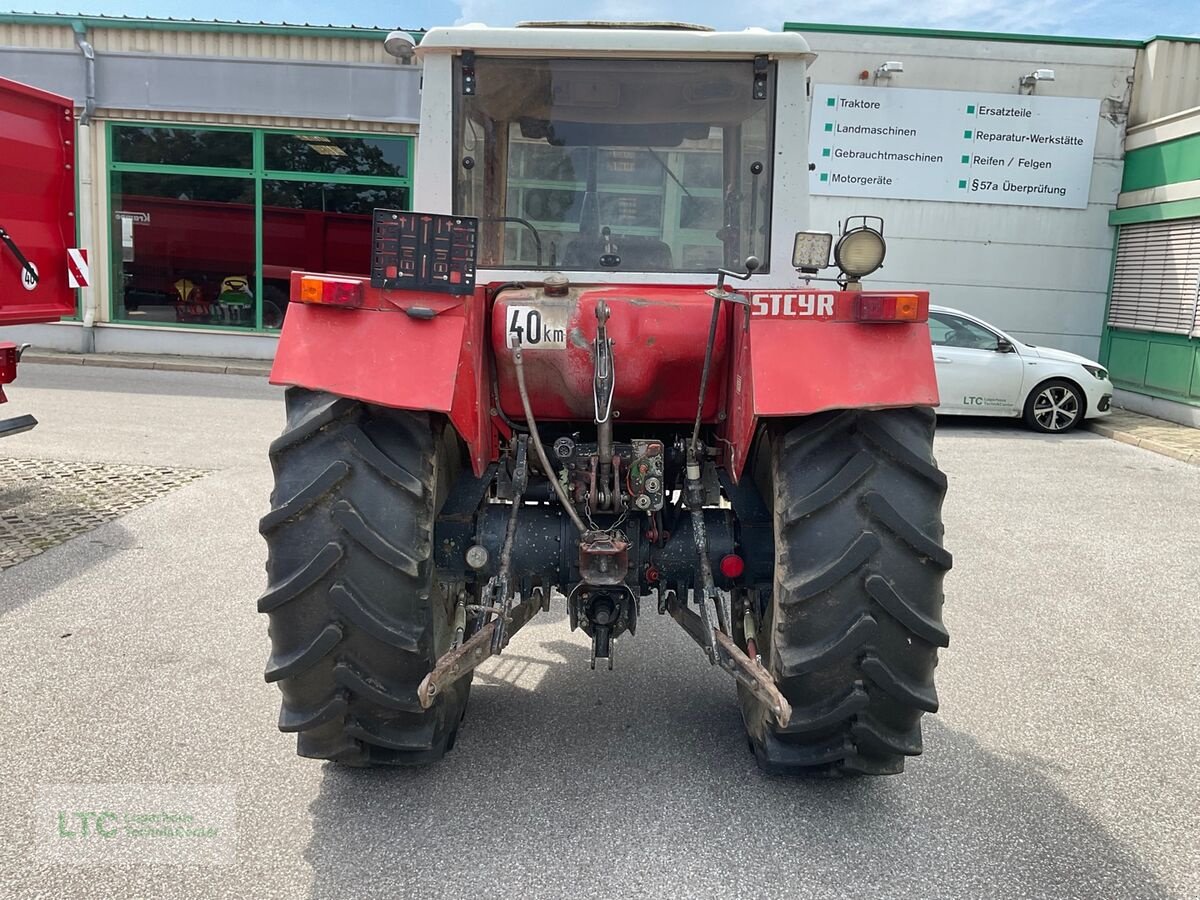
889, 68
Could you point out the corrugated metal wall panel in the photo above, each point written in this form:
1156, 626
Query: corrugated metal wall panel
141, 115
1156, 277
1167, 80
37, 37
239, 45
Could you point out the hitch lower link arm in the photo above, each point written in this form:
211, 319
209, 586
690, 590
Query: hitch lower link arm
749, 673
715, 640
467, 656
503, 618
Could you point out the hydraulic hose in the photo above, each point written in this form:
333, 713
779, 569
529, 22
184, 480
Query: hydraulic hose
539, 449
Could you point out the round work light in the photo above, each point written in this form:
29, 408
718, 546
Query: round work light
860, 251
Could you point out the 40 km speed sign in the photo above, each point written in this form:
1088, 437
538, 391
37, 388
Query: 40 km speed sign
536, 328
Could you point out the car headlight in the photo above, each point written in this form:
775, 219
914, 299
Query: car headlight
1097, 372
860, 252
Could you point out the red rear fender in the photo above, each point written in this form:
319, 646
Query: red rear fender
784, 362
792, 366
386, 357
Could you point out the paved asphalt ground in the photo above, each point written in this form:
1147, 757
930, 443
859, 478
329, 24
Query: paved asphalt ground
1064, 763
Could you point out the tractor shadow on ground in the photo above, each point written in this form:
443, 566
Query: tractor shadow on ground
637, 782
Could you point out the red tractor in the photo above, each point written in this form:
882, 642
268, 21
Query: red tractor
37, 219
547, 392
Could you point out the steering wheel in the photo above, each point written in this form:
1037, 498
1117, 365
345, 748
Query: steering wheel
517, 220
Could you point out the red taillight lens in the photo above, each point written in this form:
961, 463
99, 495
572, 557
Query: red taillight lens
732, 566
8, 363
889, 308
327, 291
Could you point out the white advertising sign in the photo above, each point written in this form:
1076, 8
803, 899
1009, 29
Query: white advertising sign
956, 146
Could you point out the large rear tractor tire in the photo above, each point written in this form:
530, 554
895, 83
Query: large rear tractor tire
852, 631
356, 618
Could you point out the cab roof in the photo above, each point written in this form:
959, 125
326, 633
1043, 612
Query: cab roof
629, 39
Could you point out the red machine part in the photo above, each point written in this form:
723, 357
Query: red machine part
413, 350
37, 202
789, 365
428, 359
658, 336
8, 366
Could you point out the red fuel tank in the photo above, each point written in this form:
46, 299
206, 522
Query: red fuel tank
658, 335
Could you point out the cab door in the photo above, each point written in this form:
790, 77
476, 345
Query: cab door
37, 204
978, 372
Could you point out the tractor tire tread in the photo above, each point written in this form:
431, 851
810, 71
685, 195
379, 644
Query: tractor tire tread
321, 411
361, 444
886, 514
852, 630
380, 694
301, 579
293, 719
354, 608
795, 661
371, 538
886, 740
304, 657
356, 617
852, 559
905, 611
902, 688
307, 496
824, 716
848, 476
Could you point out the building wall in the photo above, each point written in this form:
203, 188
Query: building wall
1159, 372
324, 80
1039, 273
1167, 80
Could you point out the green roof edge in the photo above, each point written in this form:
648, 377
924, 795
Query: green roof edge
364, 32
1195, 39
884, 30
372, 32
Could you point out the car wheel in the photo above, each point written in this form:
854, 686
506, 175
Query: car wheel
1054, 407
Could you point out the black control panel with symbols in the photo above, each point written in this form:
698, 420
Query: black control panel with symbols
423, 251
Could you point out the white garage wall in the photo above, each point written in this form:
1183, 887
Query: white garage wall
1039, 273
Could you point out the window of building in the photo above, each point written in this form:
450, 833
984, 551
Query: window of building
1156, 277
318, 227
207, 225
156, 146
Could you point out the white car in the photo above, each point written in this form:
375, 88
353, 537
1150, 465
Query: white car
981, 371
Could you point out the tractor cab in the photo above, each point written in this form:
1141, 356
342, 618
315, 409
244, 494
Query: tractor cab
666, 151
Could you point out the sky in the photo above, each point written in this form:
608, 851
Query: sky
1091, 18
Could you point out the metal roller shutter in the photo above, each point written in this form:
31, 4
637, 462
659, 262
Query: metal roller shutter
1157, 277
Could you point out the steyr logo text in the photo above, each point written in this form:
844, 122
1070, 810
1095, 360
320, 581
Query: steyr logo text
781, 305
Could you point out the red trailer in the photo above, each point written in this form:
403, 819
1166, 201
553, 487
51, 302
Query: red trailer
37, 218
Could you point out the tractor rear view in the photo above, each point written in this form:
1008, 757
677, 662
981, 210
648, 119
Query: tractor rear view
602, 368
